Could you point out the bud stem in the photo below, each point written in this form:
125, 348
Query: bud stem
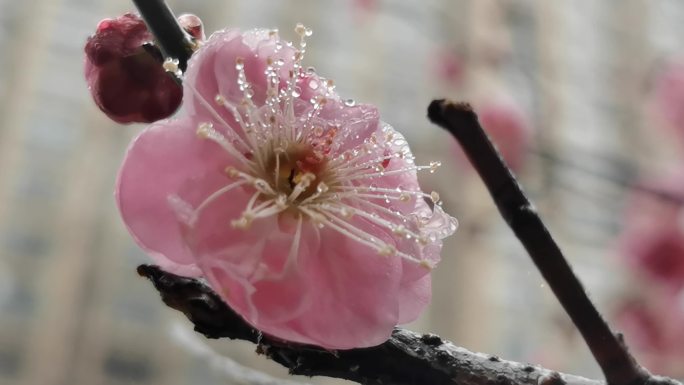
173, 41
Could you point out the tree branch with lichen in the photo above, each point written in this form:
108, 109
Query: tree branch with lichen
407, 358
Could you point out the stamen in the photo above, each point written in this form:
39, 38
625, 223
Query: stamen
359, 235
291, 260
211, 198
301, 186
218, 117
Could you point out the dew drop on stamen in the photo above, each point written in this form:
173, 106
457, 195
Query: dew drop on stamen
346, 213
350, 102
322, 188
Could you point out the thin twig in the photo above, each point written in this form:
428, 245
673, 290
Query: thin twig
617, 364
407, 358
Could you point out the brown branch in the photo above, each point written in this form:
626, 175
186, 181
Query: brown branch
407, 358
617, 364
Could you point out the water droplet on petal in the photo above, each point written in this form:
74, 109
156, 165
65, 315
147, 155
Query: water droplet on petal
239, 64
350, 102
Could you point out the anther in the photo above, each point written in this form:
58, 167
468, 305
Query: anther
399, 230
346, 213
171, 65
243, 222
232, 172
204, 130
387, 250
281, 201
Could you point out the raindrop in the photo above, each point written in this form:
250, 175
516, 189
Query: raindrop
350, 102
322, 188
239, 64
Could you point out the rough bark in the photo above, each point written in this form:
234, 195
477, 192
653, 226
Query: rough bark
407, 358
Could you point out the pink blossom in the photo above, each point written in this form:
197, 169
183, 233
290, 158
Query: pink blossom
449, 67
658, 252
653, 238
302, 210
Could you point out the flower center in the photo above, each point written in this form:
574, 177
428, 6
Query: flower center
297, 165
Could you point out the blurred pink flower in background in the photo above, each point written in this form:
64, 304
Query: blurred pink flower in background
652, 240
302, 210
668, 96
654, 329
657, 252
364, 8
449, 67
508, 128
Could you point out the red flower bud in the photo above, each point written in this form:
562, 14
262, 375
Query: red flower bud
124, 72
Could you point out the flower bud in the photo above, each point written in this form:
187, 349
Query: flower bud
124, 72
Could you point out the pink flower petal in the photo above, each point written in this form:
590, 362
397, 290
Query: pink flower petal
160, 161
